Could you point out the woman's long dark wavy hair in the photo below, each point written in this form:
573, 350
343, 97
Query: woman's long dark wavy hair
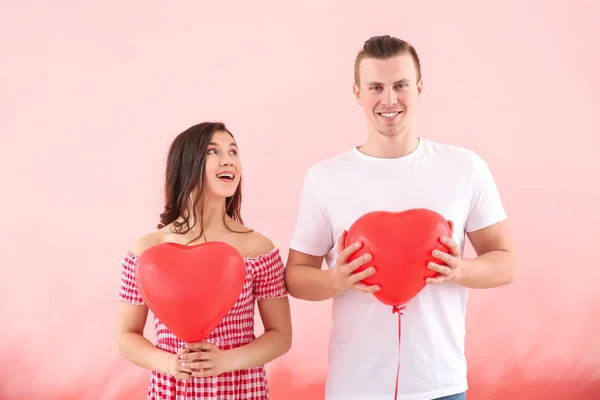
185, 172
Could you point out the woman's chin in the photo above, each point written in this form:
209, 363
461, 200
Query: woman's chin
219, 194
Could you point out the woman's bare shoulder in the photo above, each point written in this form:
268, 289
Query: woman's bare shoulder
256, 244
145, 242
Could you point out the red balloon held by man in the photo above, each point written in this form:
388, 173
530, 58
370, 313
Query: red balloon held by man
191, 288
401, 246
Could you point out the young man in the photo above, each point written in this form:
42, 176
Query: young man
395, 170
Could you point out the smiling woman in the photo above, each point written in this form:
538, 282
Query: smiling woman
196, 158
222, 162
202, 204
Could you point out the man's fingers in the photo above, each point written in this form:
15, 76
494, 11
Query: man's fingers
454, 250
359, 276
452, 246
340, 243
360, 261
347, 252
440, 268
439, 279
366, 289
445, 258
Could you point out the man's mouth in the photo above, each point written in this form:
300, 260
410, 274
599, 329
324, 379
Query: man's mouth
391, 114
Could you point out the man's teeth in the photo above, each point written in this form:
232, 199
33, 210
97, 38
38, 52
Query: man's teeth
390, 115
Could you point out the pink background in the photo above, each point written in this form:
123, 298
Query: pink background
92, 95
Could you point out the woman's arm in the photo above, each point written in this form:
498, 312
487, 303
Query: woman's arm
132, 344
273, 343
132, 314
205, 359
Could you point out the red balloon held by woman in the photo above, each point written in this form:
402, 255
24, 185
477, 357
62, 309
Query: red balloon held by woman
401, 246
190, 288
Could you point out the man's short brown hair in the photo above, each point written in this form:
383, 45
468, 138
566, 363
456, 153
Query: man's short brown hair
382, 48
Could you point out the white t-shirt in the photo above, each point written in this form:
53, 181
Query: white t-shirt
363, 347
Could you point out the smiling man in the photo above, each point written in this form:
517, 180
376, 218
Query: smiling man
394, 170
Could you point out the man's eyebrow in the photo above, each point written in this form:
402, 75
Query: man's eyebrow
379, 83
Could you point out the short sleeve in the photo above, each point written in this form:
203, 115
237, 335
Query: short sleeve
129, 292
269, 276
312, 232
486, 206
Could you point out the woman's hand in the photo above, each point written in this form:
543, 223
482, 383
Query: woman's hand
174, 367
203, 359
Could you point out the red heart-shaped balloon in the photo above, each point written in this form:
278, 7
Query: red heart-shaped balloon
191, 288
400, 244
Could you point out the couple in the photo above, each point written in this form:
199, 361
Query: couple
393, 170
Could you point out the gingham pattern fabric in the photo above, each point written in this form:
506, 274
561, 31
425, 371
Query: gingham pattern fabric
264, 279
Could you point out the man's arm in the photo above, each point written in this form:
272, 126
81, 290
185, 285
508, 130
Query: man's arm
495, 264
306, 280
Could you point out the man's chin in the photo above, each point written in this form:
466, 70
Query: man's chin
390, 132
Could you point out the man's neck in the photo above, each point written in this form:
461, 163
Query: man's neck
381, 146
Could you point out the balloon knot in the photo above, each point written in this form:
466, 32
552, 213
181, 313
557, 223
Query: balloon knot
398, 310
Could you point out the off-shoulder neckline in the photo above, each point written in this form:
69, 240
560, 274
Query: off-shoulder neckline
258, 257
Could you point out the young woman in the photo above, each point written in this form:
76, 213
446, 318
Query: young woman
202, 203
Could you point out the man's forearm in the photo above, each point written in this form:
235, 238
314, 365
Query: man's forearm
310, 283
492, 269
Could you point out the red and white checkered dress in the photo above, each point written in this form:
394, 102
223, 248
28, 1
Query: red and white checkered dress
264, 279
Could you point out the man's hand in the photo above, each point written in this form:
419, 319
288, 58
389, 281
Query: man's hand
343, 276
454, 264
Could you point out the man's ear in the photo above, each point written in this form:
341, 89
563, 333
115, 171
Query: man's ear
356, 91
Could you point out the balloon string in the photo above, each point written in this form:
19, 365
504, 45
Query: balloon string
398, 310
185, 387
